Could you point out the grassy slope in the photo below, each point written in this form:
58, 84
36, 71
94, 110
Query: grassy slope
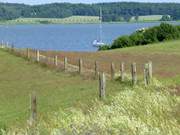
148, 18
165, 57
68, 20
74, 20
54, 89
133, 111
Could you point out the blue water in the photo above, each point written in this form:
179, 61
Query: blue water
75, 37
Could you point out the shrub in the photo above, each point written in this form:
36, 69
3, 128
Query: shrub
146, 36
150, 36
178, 28
166, 32
104, 47
166, 18
122, 42
137, 38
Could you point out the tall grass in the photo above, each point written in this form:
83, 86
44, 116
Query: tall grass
133, 111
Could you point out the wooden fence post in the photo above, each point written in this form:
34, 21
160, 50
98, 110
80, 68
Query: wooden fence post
122, 71
55, 60
33, 115
146, 75
112, 71
134, 73
102, 86
65, 63
96, 69
80, 66
150, 70
37, 56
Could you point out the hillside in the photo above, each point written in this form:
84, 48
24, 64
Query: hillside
19, 78
68, 103
67, 20
165, 57
120, 11
74, 20
146, 18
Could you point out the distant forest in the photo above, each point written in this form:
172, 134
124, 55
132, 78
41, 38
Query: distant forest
111, 11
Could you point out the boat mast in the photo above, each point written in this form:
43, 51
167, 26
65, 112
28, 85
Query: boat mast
100, 25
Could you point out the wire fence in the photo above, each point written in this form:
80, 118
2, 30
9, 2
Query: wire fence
71, 63
87, 67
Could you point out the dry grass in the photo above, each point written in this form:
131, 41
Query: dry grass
165, 58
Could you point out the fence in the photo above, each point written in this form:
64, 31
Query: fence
82, 67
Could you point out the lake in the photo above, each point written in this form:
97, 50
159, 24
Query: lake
71, 37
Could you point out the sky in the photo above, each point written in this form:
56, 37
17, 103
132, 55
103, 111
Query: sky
33, 2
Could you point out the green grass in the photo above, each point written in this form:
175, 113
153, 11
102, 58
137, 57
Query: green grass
67, 103
167, 47
132, 111
68, 20
55, 90
74, 20
165, 57
148, 18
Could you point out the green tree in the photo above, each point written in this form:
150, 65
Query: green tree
167, 31
111, 11
166, 18
122, 42
137, 38
150, 35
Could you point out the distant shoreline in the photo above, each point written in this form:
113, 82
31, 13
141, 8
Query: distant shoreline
80, 20
70, 23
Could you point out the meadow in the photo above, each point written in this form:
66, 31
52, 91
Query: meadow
68, 103
147, 18
55, 89
165, 57
68, 20
75, 20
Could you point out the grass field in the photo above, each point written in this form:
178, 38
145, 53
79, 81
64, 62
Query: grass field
165, 58
68, 20
74, 20
67, 102
54, 89
147, 18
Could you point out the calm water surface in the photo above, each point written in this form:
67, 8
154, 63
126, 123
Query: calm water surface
75, 37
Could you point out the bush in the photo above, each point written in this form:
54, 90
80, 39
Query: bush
166, 32
104, 47
137, 38
166, 18
146, 36
150, 36
122, 42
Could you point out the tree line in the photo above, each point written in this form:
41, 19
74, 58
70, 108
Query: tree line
116, 11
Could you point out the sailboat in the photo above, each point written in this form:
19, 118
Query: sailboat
99, 42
